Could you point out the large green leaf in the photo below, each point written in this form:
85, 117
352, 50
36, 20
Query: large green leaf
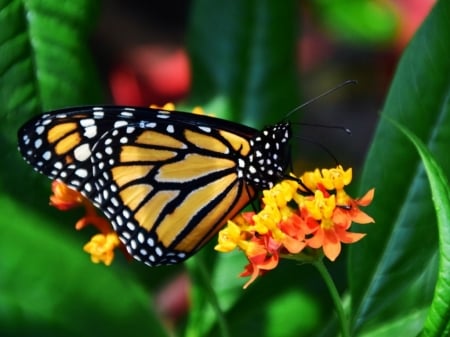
400, 246
244, 53
45, 60
438, 320
48, 285
44, 64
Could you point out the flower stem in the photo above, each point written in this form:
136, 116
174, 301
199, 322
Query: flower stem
334, 295
200, 274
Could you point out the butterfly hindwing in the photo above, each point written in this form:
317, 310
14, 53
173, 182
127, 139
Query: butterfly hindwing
176, 185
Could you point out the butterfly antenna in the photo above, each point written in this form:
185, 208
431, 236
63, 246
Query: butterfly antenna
338, 127
326, 93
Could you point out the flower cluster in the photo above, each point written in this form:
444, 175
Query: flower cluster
299, 217
102, 245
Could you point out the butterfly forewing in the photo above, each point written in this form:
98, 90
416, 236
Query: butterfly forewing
60, 145
166, 180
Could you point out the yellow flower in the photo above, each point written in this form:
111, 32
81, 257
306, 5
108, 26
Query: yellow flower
320, 207
101, 247
336, 178
229, 238
330, 179
294, 217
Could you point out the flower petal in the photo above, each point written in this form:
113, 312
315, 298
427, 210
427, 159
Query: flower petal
332, 245
367, 198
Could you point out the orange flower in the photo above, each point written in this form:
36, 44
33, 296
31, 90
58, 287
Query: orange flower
263, 255
333, 226
101, 246
65, 198
292, 220
296, 231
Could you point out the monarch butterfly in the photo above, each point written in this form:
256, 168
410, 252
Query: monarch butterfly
167, 180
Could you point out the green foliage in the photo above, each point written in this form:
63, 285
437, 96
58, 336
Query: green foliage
437, 323
242, 55
243, 61
358, 22
393, 270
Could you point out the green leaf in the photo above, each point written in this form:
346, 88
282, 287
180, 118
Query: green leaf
44, 64
438, 320
409, 324
244, 52
48, 285
403, 241
409, 310
45, 60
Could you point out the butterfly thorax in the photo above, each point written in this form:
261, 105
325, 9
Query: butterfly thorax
266, 164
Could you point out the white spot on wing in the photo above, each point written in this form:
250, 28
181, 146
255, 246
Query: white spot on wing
115, 202
47, 155
150, 125
119, 124
82, 152
98, 114
88, 187
90, 131
38, 143
126, 114
205, 129
87, 122
82, 173
141, 238
40, 130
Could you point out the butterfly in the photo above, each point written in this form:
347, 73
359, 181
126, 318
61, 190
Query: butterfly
166, 180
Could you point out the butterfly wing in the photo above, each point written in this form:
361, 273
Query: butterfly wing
166, 180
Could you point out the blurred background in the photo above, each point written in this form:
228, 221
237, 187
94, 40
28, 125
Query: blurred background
141, 51
149, 52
